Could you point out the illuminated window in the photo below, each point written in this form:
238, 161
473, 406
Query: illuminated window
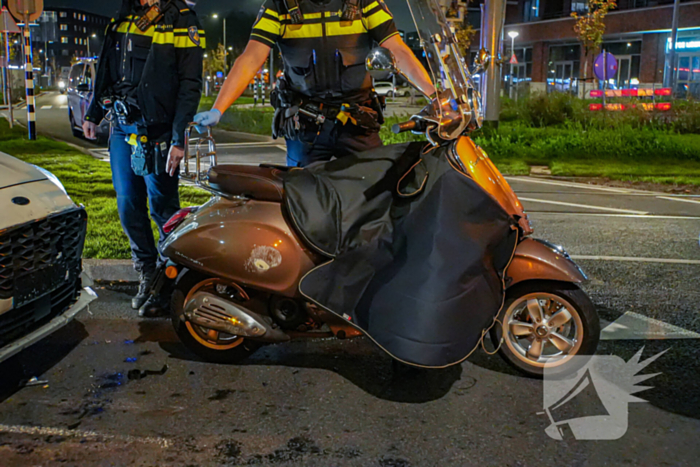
64, 40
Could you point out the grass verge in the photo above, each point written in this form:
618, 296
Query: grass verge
89, 182
570, 148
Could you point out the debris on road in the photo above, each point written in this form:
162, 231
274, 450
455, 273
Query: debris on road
141, 374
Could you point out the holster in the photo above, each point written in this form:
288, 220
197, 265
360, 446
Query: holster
378, 104
147, 157
286, 122
363, 117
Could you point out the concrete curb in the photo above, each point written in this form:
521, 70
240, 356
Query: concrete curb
108, 270
252, 137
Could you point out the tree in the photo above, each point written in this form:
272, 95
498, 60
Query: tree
215, 61
465, 34
590, 28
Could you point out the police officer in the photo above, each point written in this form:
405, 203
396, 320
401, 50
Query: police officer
325, 104
149, 83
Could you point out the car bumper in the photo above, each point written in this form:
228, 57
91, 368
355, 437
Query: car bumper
87, 295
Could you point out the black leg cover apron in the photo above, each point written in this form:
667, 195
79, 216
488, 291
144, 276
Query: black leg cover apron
417, 250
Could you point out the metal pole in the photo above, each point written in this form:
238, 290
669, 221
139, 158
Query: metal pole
29, 80
272, 66
9, 80
670, 77
225, 51
4, 80
491, 34
512, 52
605, 77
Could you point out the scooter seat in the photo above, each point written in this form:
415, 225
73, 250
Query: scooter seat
249, 181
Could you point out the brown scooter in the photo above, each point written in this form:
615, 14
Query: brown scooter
235, 263
232, 291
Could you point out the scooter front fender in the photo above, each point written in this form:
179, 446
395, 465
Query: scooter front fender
538, 259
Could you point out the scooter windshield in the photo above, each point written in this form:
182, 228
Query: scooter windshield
460, 102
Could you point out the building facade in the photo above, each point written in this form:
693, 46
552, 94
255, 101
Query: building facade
550, 57
65, 34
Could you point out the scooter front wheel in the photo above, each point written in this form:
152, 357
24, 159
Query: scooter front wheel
543, 324
209, 344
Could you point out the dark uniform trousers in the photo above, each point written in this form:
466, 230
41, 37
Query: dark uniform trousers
339, 141
161, 68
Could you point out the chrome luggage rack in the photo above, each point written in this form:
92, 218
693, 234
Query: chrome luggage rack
204, 146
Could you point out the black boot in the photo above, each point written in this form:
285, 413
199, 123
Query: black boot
145, 279
156, 306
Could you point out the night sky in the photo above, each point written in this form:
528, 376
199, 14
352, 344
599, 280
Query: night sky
244, 9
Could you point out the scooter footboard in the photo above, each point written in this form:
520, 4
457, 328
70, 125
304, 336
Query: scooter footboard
538, 259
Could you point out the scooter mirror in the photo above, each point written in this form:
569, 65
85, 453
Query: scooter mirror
381, 63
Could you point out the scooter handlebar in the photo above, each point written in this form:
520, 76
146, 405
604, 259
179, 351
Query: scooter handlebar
404, 126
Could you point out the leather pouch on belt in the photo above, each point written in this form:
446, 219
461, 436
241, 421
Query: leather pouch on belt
361, 116
160, 157
142, 154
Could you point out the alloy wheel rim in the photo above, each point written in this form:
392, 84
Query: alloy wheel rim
543, 329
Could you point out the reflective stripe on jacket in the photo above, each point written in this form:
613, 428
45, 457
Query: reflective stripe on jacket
164, 65
324, 57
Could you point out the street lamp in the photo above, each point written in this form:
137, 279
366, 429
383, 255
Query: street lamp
216, 16
88, 43
512, 35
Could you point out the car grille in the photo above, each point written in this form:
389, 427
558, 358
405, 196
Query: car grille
22, 321
39, 257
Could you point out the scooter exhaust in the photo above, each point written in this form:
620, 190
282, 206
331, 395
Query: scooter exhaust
213, 312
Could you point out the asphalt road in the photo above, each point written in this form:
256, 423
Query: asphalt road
340, 403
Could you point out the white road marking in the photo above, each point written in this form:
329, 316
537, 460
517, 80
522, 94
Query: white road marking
283, 148
47, 107
632, 325
570, 184
677, 198
64, 107
635, 259
630, 216
50, 431
585, 206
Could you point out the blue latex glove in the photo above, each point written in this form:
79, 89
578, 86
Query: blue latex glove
205, 119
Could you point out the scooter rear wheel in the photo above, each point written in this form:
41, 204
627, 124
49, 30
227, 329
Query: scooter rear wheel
544, 324
208, 344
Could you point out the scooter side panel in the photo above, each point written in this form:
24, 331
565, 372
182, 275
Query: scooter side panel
247, 242
536, 260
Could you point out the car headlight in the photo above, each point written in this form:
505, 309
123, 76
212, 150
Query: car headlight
61, 84
53, 179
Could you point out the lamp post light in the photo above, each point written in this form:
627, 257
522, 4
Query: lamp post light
216, 16
93, 36
512, 35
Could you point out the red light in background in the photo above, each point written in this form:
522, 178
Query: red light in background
615, 107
